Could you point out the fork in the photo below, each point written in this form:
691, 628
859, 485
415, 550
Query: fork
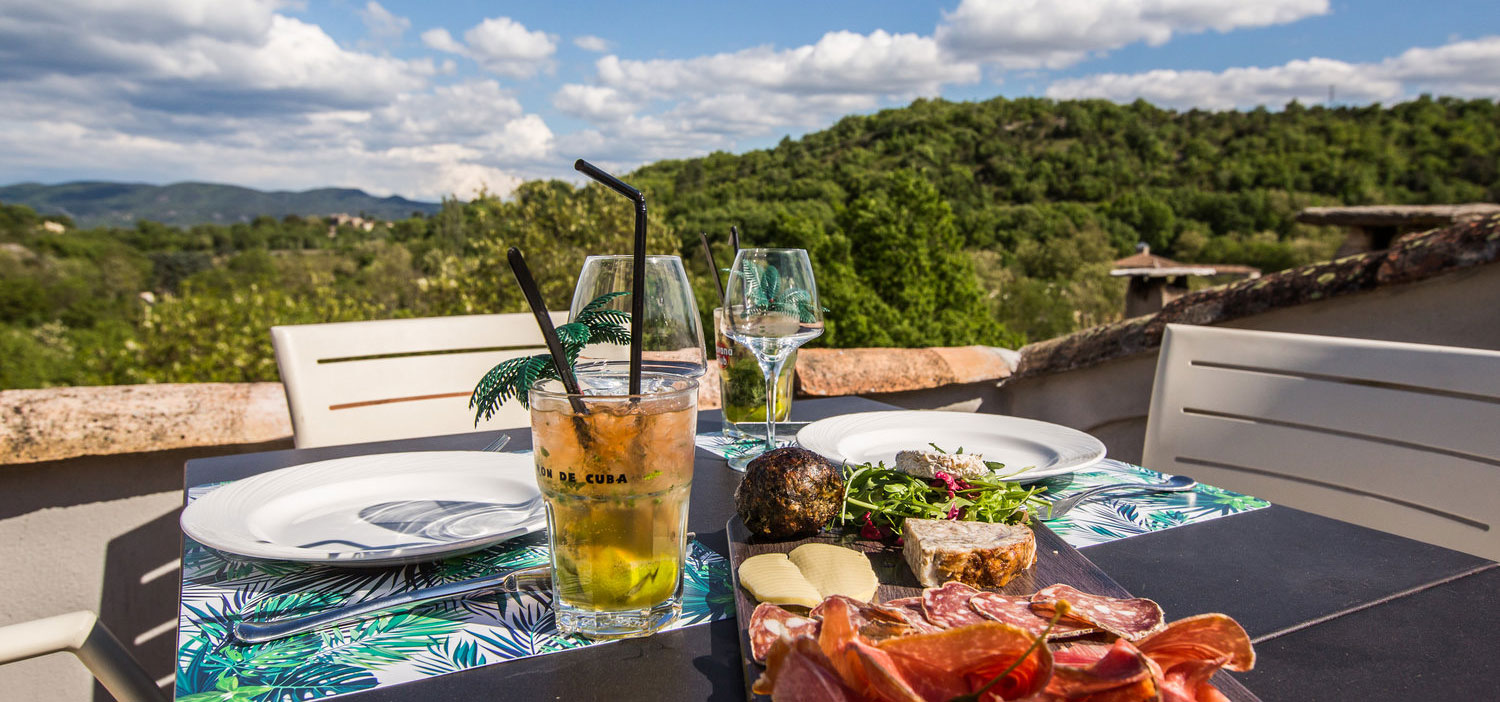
1178, 483
497, 444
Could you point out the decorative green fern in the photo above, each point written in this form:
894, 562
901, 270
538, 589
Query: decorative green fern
512, 379
767, 292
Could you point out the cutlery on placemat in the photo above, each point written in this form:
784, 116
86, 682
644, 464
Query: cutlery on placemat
513, 581
1178, 483
497, 444
535, 577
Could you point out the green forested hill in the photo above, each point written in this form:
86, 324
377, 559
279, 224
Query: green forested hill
1045, 193
104, 204
939, 223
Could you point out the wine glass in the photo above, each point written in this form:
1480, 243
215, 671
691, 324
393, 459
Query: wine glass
672, 336
771, 307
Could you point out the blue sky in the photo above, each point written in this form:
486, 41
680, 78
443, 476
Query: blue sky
433, 98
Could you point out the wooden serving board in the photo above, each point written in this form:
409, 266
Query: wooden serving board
1056, 562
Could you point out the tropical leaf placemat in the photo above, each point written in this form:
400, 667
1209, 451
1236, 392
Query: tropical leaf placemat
1098, 521
1118, 516
434, 639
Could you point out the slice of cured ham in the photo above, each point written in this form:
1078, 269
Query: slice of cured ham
1121, 667
1016, 611
1200, 638
878, 622
797, 671
911, 608
1132, 619
959, 661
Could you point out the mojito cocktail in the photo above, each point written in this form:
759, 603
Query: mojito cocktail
616, 478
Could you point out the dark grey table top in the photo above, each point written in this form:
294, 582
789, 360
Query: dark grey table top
1337, 611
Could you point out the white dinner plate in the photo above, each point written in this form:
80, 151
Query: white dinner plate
870, 437
376, 510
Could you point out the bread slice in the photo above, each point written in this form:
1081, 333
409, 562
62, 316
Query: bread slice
980, 554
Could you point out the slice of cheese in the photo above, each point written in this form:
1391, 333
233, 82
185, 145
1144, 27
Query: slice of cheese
770, 577
835, 570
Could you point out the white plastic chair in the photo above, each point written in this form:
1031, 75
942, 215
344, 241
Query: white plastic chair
83, 635
1394, 436
349, 382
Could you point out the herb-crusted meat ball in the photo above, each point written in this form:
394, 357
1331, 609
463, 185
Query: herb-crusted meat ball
789, 493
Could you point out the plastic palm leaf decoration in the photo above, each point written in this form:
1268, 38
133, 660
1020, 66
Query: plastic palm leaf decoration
512, 379
768, 292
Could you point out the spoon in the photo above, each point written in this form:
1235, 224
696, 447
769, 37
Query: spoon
1178, 483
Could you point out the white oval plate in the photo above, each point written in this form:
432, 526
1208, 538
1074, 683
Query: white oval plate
872, 437
376, 510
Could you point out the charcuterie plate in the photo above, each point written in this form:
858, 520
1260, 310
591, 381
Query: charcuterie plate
1056, 562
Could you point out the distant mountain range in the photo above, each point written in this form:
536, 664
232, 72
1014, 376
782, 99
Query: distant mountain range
94, 204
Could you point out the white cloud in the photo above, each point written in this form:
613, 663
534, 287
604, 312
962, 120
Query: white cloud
381, 23
840, 62
216, 57
143, 20
219, 93
1468, 69
461, 111
595, 103
441, 40
676, 108
1018, 34
526, 138
589, 42
499, 45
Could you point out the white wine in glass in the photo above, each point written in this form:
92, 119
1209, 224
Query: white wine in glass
771, 307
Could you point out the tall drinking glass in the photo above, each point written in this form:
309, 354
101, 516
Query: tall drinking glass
771, 307
672, 335
615, 472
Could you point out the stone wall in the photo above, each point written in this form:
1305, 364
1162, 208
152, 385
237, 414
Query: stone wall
58, 423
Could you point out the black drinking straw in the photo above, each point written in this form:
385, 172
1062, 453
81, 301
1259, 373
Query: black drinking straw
544, 320
638, 272
734, 237
709, 252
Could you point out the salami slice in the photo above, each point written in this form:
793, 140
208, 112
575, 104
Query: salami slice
948, 606
1127, 618
1016, 611
769, 623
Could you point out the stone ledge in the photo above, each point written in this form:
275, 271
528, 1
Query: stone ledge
834, 372
1411, 259
57, 423
60, 423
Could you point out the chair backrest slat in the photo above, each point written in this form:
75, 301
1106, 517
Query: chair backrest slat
1394, 436
348, 382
